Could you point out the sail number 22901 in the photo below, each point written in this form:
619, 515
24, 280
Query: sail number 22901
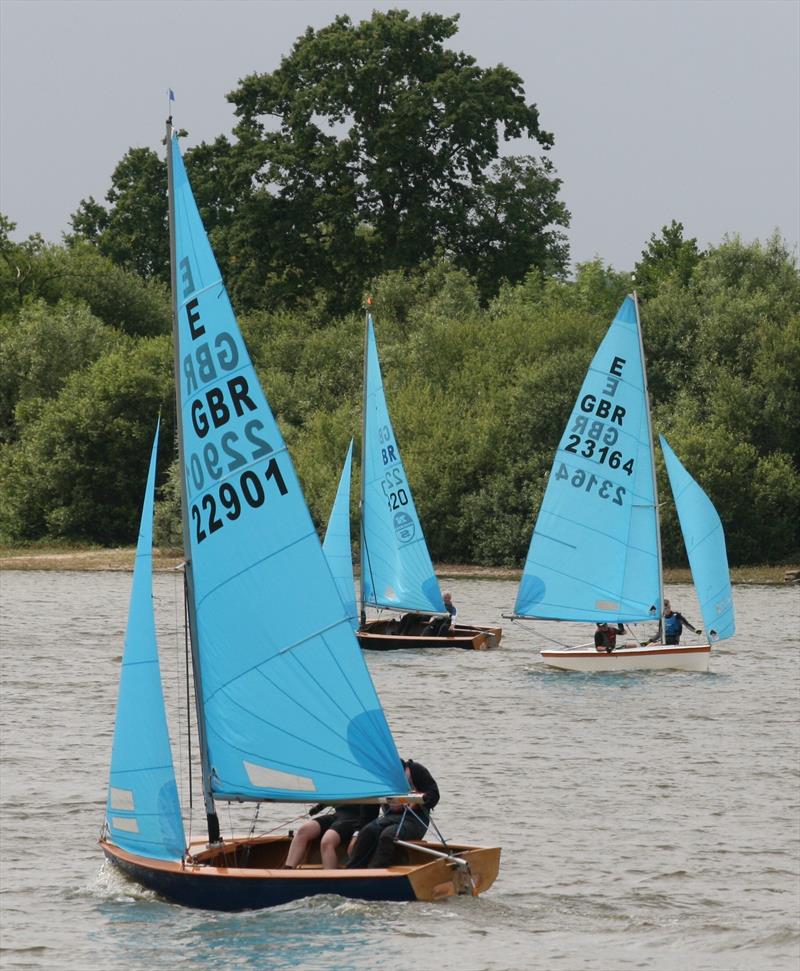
588, 481
231, 499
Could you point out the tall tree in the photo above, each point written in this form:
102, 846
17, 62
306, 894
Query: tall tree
372, 147
376, 143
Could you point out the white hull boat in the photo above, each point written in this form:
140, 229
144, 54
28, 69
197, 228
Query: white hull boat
651, 657
595, 554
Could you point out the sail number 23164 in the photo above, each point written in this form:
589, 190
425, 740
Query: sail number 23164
232, 498
589, 482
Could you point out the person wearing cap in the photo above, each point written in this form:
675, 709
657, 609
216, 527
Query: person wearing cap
605, 636
374, 846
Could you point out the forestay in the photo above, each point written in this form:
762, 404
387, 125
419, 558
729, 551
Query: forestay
142, 810
336, 544
705, 546
396, 568
290, 710
594, 550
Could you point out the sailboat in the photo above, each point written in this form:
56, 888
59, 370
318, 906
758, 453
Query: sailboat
396, 568
286, 709
595, 552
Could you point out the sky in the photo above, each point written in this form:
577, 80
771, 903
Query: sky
661, 109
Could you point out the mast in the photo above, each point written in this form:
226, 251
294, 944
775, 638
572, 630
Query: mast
660, 604
362, 496
208, 798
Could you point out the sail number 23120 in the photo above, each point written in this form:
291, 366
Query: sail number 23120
589, 482
232, 498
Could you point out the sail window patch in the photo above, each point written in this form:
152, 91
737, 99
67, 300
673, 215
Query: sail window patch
264, 778
122, 800
126, 823
607, 604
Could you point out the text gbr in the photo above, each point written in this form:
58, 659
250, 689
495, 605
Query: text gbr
227, 450
594, 438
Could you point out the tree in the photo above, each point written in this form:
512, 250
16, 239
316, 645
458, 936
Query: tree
17, 262
669, 256
133, 231
77, 471
383, 152
40, 349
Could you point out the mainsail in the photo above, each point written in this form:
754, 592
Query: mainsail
705, 547
336, 544
288, 708
396, 568
594, 554
143, 814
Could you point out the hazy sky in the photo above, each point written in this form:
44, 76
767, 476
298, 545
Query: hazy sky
686, 110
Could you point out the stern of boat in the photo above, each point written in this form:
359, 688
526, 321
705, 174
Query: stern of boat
438, 879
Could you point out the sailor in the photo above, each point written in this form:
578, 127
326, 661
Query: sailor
605, 637
674, 623
440, 626
332, 829
374, 844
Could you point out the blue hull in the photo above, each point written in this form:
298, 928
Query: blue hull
234, 892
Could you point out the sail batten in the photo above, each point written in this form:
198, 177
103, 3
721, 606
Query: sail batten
263, 594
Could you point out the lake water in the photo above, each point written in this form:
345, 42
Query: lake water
647, 820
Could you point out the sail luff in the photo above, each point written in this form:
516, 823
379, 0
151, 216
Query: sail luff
208, 798
660, 604
362, 496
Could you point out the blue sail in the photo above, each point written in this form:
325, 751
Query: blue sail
289, 708
594, 551
396, 568
143, 814
336, 544
705, 547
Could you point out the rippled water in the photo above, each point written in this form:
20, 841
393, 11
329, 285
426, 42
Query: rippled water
647, 820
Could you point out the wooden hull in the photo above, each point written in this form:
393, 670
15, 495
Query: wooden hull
652, 657
246, 874
383, 635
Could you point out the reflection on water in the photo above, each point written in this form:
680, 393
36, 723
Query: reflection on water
647, 819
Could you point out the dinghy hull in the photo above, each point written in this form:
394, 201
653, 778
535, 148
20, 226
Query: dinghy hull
230, 877
383, 635
652, 657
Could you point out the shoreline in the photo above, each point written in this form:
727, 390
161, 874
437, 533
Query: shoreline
121, 559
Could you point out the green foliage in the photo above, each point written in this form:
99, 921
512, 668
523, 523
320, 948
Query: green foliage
668, 257
133, 232
479, 392
372, 147
385, 154
118, 297
78, 468
39, 349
